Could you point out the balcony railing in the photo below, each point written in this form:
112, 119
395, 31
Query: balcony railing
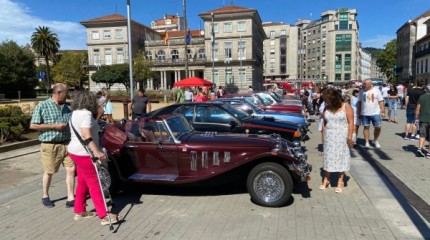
422, 53
173, 42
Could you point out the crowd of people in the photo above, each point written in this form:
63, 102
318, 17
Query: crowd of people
366, 105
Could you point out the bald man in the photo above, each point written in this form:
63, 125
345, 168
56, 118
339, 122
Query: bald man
50, 118
371, 109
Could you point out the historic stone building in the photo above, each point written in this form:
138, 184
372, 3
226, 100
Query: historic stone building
234, 49
108, 42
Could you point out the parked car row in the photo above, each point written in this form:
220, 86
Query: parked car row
225, 140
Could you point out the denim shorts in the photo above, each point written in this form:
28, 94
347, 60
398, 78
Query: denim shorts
375, 119
410, 115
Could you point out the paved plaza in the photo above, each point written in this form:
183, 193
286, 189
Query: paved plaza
384, 190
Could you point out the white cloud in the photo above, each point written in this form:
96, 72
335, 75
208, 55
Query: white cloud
377, 41
18, 24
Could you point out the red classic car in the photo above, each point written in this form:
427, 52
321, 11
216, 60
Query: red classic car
267, 103
169, 151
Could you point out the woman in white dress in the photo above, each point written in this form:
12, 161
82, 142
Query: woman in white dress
338, 128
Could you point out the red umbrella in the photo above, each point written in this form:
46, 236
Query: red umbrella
193, 82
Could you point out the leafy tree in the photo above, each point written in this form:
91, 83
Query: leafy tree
17, 70
112, 74
70, 68
387, 59
46, 43
142, 68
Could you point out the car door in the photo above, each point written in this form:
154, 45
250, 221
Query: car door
214, 118
156, 158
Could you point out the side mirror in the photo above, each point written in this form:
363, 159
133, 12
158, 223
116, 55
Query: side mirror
233, 124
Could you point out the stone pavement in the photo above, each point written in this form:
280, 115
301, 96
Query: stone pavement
369, 208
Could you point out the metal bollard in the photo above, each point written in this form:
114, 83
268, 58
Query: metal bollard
125, 106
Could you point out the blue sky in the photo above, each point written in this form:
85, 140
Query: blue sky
378, 19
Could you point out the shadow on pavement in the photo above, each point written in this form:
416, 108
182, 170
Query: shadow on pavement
407, 198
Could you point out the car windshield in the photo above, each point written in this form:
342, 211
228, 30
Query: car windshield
178, 125
274, 97
236, 112
266, 99
254, 107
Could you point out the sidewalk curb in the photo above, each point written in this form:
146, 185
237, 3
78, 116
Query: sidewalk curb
15, 146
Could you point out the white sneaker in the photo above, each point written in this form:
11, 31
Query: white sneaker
354, 137
377, 145
367, 145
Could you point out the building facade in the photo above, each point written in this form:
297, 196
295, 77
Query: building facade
364, 67
108, 43
330, 47
422, 56
235, 49
407, 35
280, 51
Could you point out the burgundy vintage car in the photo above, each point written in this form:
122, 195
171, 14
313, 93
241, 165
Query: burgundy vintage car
265, 102
168, 150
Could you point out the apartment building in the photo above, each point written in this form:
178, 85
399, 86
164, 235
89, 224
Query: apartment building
234, 43
407, 35
329, 47
280, 51
108, 43
364, 66
422, 56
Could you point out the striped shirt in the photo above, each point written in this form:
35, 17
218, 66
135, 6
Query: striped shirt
47, 112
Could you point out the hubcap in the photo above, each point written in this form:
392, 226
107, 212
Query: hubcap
268, 186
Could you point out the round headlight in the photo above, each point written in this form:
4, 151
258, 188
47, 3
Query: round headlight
295, 144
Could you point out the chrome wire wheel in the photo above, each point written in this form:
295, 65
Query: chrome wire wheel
269, 186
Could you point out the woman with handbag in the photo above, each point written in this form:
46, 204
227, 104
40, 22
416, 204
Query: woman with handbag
85, 138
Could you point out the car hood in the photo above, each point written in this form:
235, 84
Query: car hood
289, 117
268, 121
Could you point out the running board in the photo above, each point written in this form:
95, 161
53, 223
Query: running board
152, 177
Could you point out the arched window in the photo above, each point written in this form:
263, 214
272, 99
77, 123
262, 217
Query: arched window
161, 56
175, 55
149, 55
202, 53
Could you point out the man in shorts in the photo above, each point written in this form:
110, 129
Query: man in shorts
370, 109
51, 118
411, 101
422, 112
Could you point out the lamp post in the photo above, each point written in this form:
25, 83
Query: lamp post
241, 75
130, 64
213, 51
184, 5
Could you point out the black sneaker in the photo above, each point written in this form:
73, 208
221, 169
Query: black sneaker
70, 204
420, 151
47, 202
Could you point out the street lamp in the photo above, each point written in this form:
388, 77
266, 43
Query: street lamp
130, 65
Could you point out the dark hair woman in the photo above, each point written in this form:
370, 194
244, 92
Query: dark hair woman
85, 108
338, 126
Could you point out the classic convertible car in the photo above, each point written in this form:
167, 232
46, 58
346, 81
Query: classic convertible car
222, 117
169, 151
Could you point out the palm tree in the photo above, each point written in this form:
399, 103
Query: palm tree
45, 43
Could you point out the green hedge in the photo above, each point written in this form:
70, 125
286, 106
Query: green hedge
13, 122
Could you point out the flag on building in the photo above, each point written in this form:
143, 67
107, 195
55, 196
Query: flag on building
166, 37
189, 37
213, 30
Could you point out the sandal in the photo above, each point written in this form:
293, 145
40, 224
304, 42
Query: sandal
325, 184
339, 188
79, 216
113, 217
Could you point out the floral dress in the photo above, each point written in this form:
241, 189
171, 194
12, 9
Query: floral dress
337, 157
